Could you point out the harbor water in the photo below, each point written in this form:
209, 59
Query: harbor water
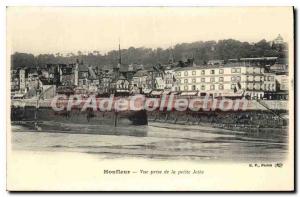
161, 141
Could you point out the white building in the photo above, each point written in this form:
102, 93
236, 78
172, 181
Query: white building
225, 80
269, 83
22, 76
283, 82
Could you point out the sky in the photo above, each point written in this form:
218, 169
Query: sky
40, 30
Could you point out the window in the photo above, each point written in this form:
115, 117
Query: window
250, 87
185, 88
212, 79
221, 79
194, 80
236, 70
254, 86
185, 73
265, 78
212, 72
193, 87
221, 87
221, 71
194, 73
202, 72
232, 86
212, 87
179, 74
185, 81
233, 78
203, 87
202, 79
238, 78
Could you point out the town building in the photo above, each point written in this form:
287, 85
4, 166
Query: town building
22, 80
120, 86
94, 81
44, 73
225, 80
54, 74
83, 74
105, 76
170, 79
282, 82
14, 81
278, 40
269, 82
67, 77
282, 86
139, 81
155, 80
280, 67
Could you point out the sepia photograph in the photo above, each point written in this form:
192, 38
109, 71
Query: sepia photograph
150, 98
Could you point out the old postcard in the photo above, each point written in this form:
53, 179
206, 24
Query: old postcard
150, 99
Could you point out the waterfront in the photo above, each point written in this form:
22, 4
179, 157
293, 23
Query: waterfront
161, 141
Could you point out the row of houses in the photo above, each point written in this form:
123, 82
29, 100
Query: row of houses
246, 77
217, 78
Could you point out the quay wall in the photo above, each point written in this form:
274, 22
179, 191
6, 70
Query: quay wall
261, 105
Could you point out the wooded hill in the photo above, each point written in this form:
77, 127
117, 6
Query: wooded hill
200, 51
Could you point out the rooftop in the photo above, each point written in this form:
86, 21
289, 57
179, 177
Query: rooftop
141, 73
217, 66
258, 58
83, 68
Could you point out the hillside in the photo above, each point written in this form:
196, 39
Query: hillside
200, 51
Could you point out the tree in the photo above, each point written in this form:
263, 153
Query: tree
201, 52
23, 60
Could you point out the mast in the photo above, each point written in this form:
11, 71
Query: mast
172, 53
120, 59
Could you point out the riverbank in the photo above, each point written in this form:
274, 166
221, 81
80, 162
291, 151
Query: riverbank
227, 120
